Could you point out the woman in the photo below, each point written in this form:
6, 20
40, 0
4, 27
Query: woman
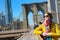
48, 28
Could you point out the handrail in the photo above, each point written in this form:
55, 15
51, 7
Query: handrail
38, 37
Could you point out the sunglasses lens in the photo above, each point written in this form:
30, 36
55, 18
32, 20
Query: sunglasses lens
46, 16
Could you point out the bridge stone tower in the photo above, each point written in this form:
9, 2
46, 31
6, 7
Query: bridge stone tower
34, 8
54, 8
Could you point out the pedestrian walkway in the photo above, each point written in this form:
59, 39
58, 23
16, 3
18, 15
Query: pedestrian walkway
28, 36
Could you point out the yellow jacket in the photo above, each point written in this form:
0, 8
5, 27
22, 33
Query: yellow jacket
54, 32
57, 32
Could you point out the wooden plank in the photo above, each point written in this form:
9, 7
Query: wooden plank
14, 31
21, 37
10, 35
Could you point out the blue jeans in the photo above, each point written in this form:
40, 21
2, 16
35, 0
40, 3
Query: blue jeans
48, 38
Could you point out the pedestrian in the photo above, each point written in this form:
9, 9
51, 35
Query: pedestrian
47, 29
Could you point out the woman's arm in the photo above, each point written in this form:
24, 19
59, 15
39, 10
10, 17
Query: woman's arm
38, 30
57, 33
54, 34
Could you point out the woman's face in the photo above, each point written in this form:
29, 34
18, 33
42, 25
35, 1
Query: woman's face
46, 17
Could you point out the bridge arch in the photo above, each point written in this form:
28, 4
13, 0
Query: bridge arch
30, 19
34, 8
40, 17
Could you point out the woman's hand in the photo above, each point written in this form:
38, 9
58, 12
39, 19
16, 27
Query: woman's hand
46, 34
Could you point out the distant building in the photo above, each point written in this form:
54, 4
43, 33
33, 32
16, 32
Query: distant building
54, 8
8, 10
18, 24
2, 19
21, 25
1, 14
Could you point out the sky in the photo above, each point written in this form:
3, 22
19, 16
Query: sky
17, 8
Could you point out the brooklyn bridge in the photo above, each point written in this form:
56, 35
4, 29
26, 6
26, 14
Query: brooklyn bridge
18, 30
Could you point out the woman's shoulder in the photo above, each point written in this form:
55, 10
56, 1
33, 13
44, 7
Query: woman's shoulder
41, 25
54, 23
